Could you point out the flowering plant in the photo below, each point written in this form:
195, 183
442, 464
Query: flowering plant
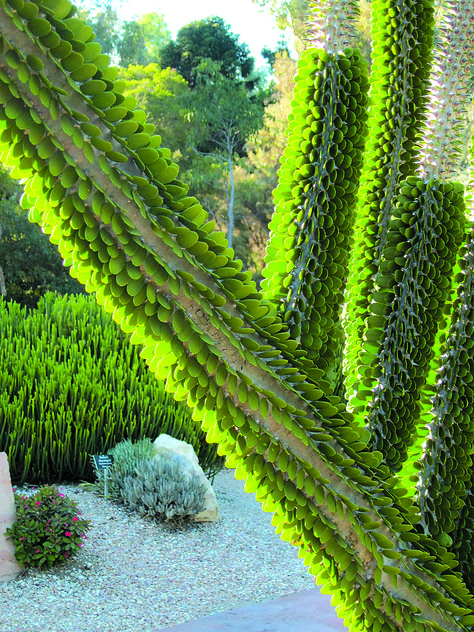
48, 530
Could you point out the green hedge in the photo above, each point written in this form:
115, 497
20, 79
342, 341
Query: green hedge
73, 386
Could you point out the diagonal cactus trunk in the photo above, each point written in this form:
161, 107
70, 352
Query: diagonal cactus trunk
264, 371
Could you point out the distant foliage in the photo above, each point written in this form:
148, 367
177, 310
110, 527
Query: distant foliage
31, 265
73, 386
209, 39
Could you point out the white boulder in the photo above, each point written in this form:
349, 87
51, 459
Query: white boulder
9, 567
186, 454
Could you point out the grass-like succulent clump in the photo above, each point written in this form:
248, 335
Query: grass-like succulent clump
73, 386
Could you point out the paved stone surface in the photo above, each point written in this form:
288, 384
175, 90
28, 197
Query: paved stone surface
304, 611
9, 567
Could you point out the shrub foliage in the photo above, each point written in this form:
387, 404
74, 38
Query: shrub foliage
72, 386
161, 488
48, 530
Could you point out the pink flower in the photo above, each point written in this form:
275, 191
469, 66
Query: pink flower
68, 534
76, 518
22, 538
79, 544
39, 502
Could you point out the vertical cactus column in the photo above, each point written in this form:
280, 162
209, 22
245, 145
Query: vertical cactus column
311, 229
413, 227
445, 477
402, 35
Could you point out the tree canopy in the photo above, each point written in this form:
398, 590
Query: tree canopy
210, 38
130, 42
140, 41
30, 265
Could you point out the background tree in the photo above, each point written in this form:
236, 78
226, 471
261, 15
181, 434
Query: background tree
136, 41
210, 38
225, 115
226, 108
161, 93
31, 265
292, 14
102, 16
141, 41
256, 176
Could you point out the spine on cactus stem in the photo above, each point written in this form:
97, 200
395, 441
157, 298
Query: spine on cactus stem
308, 250
449, 90
402, 34
330, 24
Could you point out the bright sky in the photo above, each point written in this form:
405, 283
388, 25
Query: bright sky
255, 27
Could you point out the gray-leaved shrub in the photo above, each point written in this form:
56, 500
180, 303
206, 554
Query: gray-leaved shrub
127, 455
160, 488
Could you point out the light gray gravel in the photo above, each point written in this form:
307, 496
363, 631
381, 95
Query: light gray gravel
135, 575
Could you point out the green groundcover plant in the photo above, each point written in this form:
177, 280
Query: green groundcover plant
48, 530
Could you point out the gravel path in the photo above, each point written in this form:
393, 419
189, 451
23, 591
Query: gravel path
134, 575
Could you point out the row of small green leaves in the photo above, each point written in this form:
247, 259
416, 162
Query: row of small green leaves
402, 36
446, 465
311, 228
407, 304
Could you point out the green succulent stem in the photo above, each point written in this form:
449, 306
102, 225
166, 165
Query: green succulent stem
422, 243
311, 229
401, 53
447, 458
462, 536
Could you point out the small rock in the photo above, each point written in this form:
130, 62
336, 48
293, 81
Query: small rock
165, 443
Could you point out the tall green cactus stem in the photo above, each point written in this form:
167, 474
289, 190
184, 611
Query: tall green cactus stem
402, 34
447, 459
463, 537
449, 90
449, 87
100, 184
308, 250
421, 246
